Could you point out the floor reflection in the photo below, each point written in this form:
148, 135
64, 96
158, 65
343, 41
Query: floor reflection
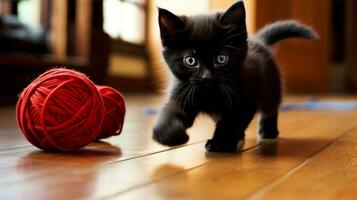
47, 175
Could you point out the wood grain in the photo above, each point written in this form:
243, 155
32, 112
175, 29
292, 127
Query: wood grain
132, 166
331, 174
239, 176
126, 154
22, 163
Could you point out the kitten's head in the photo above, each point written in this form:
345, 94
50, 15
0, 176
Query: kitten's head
205, 49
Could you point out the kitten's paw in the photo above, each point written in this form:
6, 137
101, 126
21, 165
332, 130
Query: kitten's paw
170, 134
265, 137
213, 146
265, 133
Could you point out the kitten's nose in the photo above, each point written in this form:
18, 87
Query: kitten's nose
206, 74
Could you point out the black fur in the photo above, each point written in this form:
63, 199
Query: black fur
231, 92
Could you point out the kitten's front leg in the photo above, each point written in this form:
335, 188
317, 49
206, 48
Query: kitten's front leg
171, 127
229, 131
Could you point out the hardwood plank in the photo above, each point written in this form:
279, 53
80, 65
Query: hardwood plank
95, 182
135, 141
35, 168
239, 176
133, 161
102, 171
331, 174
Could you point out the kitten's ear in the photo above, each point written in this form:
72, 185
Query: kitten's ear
169, 23
235, 15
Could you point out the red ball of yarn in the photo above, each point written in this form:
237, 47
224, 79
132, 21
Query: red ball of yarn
114, 112
61, 110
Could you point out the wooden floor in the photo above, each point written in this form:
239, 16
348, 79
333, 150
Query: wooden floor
315, 158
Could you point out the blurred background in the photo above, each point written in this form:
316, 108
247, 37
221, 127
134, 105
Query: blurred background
116, 42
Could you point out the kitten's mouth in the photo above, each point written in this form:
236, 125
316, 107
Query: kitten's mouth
205, 85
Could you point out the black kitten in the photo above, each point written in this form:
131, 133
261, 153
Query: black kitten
218, 71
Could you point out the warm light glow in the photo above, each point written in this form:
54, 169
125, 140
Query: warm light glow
124, 20
29, 12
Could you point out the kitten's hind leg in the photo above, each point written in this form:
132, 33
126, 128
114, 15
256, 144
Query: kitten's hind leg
268, 126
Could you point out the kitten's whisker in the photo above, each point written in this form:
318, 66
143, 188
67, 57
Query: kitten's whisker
232, 86
233, 78
183, 90
189, 95
193, 95
222, 92
230, 89
230, 98
232, 47
182, 98
178, 93
226, 95
234, 94
231, 82
188, 92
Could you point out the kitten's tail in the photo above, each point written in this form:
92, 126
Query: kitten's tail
277, 31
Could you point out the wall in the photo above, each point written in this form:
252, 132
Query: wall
127, 65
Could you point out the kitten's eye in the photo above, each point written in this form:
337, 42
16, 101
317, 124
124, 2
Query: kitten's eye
221, 60
190, 61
